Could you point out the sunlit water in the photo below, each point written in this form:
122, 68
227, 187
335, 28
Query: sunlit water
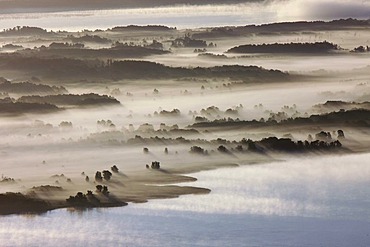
322, 201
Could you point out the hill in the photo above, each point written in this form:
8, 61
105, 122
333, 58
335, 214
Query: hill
317, 47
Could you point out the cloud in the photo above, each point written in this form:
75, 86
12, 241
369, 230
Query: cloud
321, 9
193, 14
181, 16
18, 6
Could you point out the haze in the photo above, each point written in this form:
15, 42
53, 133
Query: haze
130, 105
97, 14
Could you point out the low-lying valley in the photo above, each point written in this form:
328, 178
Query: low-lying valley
104, 118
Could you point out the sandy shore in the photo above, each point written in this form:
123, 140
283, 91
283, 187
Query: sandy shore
132, 186
122, 188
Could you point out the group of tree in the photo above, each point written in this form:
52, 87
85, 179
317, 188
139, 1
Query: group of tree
102, 189
156, 165
5, 179
129, 69
11, 47
106, 123
282, 28
12, 203
273, 144
165, 113
106, 175
66, 125
89, 39
25, 31
317, 47
57, 45
338, 105
198, 150
88, 200
136, 28
155, 45
70, 99
29, 88
288, 145
361, 49
8, 107
355, 117
187, 41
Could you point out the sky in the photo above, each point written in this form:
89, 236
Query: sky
75, 14
12, 6
303, 8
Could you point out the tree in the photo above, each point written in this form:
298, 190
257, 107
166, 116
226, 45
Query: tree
80, 200
323, 136
337, 144
105, 190
114, 169
340, 134
222, 149
99, 188
98, 176
239, 148
197, 149
156, 165
107, 175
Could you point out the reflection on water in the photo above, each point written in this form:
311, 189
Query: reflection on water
325, 187
301, 202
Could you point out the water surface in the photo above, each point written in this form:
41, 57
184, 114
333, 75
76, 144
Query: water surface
321, 201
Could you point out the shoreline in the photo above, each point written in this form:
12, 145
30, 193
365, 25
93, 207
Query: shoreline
135, 187
138, 187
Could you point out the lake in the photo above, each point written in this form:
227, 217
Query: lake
303, 201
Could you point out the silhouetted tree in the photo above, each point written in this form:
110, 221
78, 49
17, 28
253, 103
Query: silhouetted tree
78, 200
99, 188
98, 176
107, 175
222, 149
114, 169
197, 149
155, 165
239, 148
341, 134
323, 136
105, 190
309, 138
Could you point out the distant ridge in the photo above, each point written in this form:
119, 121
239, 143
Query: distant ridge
284, 27
317, 47
159, 28
132, 69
